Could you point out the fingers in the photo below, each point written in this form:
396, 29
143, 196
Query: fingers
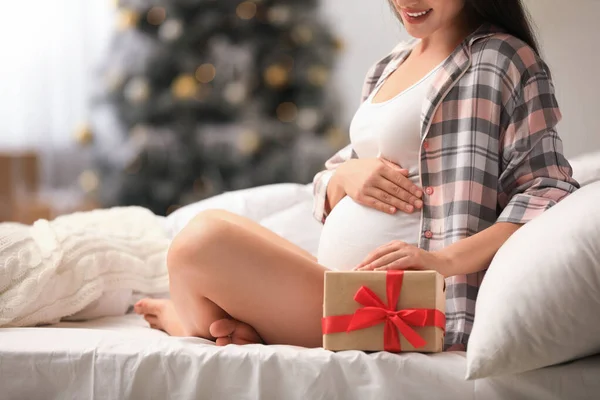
395, 166
377, 253
377, 204
400, 263
395, 196
413, 259
398, 179
385, 261
384, 255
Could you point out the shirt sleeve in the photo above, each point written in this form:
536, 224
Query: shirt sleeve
321, 180
535, 174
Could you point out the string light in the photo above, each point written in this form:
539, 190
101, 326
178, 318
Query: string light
206, 73
137, 90
302, 34
84, 135
156, 16
280, 15
287, 112
249, 142
318, 75
184, 87
338, 44
170, 30
127, 19
235, 93
276, 76
88, 181
308, 119
246, 10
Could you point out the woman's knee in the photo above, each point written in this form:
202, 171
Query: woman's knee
201, 239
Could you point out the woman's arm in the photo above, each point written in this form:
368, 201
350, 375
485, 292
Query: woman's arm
372, 182
535, 174
475, 253
464, 257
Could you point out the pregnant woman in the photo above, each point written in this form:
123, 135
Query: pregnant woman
452, 150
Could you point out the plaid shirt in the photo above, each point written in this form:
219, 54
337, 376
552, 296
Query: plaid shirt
490, 151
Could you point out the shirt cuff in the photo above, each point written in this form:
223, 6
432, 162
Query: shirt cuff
523, 208
320, 195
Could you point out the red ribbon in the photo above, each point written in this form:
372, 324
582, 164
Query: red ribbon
375, 312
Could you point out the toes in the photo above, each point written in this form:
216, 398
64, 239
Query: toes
228, 331
222, 328
149, 306
245, 334
152, 320
223, 341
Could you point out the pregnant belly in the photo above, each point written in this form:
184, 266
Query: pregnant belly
352, 231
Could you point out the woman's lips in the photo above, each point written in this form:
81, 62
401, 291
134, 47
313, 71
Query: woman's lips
416, 16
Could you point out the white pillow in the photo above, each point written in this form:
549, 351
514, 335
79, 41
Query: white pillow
539, 303
586, 168
256, 203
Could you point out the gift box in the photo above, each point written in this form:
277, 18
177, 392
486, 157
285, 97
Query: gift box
396, 311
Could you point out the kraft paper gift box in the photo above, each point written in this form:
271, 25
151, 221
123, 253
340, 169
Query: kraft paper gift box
357, 314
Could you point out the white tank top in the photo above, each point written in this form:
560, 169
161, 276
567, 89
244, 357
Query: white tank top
391, 130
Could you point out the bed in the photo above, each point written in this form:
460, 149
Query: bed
120, 357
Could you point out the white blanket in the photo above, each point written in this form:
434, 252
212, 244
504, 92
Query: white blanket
90, 265
62, 268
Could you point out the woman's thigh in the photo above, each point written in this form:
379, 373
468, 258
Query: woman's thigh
255, 228
254, 279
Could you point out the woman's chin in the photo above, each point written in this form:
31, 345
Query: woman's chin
418, 32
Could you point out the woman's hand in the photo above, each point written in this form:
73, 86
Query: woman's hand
398, 255
379, 184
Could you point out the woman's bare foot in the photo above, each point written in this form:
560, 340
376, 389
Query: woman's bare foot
231, 331
160, 314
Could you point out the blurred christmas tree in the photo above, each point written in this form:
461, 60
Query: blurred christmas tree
205, 96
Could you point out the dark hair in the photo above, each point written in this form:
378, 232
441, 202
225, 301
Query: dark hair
509, 15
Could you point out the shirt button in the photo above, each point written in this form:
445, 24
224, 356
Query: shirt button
426, 145
428, 234
429, 190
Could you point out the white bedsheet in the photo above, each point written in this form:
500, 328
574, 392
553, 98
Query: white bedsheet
121, 358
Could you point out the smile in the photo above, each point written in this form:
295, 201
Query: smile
418, 14
415, 17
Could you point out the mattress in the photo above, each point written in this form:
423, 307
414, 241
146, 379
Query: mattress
122, 358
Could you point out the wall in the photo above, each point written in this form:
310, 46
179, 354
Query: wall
369, 31
570, 45
570, 36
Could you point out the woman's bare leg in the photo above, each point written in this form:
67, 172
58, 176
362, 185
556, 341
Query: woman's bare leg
255, 228
223, 271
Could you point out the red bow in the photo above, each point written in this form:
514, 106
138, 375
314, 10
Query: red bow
375, 312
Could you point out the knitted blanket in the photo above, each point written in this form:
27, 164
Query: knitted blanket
56, 269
